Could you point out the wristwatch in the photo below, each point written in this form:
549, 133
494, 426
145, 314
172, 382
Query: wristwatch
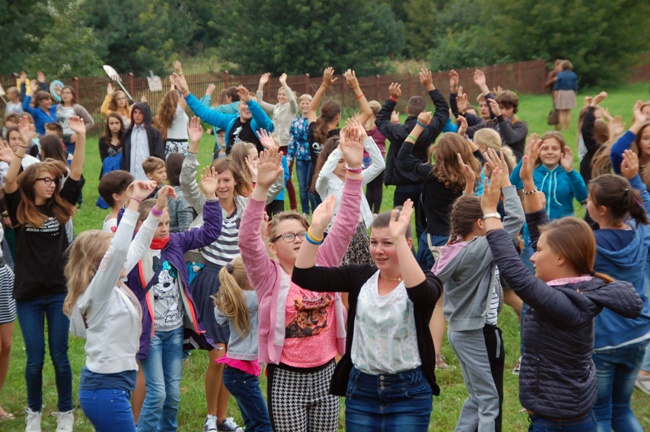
495, 215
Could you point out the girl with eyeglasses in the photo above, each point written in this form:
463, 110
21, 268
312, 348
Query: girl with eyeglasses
39, 209
116, 101
300, 331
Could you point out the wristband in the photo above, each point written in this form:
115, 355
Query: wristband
534, 191
393, 99
155, 212
139, 201
420, 124
313, 237
351, 170
191, 152
360, 96
494, 215
413, 138
313, 240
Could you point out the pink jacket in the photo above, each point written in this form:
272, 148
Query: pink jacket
272, 283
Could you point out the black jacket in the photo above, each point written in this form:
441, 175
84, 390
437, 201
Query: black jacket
350, 279
156, 144
558, 376
396, 133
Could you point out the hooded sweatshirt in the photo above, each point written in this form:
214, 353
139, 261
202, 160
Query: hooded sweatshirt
467, 271
154, 139
613, 330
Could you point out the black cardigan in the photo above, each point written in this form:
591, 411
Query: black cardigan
350, 279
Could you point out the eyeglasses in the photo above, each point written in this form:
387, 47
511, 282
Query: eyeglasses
289, 237
47, 180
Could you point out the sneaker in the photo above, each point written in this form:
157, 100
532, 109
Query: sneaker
33, 421
210, 424
229, 425
64, 421
441, 363
643, 383
517, 368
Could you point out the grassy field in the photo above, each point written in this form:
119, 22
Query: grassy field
446, 408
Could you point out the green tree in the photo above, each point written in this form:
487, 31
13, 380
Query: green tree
16, 19
69, 47
304, 36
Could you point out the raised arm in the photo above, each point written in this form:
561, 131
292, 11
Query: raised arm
630, 170
328, 80
206, 114
576, 182
395, 132
187, 179
11, 184
441, 113
369, 145
267, 107
410, 166
514, 218
293, 104
353, 83
624, 142
79, 128
212, 215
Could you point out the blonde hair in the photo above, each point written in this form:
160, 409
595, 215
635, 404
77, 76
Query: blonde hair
489, 138
230, 299
84, 256
305, 96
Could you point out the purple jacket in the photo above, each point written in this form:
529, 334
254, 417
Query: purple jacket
179, 243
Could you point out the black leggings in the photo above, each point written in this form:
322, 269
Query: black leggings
374, 191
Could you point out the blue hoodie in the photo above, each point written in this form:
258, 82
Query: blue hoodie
611, 329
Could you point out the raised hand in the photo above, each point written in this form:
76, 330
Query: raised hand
252, 167
599, 98
351, 79
492, 190
243, 93
567, 159
426, 79
264, 79
77, 125
283, 79
210, 89
266, 139
494, 160
400, 220
461, 101
494, 106
479, 80
180, 83
618, 126
394, 117
462, 125
6, 153
195, 131
496, 90
639, 117
630, 164
468, 174
395, 90
141, 189
328, 77
454, 80
209, 182
35, 86
25, 129
353, 122
352, 147
178, 67
163, 197
530, 159
322, 216
109, 89
40, 76
269, 167
425, 117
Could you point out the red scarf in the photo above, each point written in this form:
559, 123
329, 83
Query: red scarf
159, 243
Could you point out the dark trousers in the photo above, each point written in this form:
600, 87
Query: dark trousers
404, 192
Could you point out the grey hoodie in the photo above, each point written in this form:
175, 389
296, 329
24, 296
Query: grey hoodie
467, 271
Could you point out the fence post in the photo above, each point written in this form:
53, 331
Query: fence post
225, 79
307, 83
377, 87
409, 87
76, 87
131, 84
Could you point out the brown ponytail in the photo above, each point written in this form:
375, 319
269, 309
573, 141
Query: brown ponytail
328, 112
621, 200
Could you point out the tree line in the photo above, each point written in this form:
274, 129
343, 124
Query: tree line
66, 38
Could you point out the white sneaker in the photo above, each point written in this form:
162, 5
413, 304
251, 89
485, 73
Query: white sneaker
33, 421
210, 424
64, 421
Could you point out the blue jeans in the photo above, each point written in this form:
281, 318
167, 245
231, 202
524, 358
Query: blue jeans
585, 424
392, 402
617, 371
302, 172
31, 317
108, 409
246, 390
163, 369
645, 365
424, 256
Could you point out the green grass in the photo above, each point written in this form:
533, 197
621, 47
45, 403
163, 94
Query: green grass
446, 408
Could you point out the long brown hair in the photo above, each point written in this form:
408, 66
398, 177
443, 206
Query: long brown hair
446, 167
166, 112
239, 153
243, 186
112, 106
108, 136
230, 298
84, 256
51, 148
464, 214
27, 212
620, 198
330, 145
573, 239
328, 112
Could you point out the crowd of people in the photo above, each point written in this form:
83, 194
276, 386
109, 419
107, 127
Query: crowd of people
334, 300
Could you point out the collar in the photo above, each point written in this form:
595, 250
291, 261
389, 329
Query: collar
569, 280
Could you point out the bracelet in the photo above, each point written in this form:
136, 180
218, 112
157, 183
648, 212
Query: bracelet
412, 137
191, 152
494, 215
139, 201
313, 237
313, 240
360, 96
420, 124
358, 170
534, 191
155, 212
393, 99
